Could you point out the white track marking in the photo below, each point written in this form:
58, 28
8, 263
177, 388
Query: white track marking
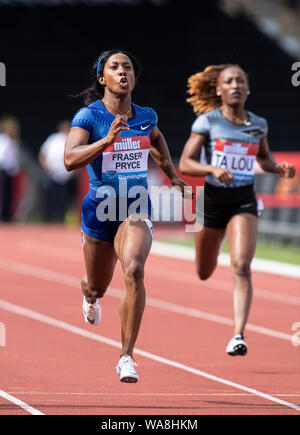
219, 285
51, 250
38, 272
193, 312
178, 276
84, 333
172, 250
19, 403
61, 393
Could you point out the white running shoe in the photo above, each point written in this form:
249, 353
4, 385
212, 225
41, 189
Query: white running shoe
237, 346
125, 369
92, 312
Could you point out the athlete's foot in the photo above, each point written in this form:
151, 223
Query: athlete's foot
237, 346
125, 369
92, 312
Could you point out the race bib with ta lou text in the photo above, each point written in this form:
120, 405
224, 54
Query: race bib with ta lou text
237, 157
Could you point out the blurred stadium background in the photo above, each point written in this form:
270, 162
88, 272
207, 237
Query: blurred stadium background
49, 46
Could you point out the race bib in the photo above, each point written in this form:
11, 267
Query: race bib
238, 158
128, 156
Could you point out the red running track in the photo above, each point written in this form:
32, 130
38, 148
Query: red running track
54, 363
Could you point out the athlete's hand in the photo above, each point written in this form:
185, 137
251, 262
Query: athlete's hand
223, 175
119, 124
185, 189
286, 170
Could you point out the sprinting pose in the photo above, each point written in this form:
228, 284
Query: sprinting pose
224, 142
113, 137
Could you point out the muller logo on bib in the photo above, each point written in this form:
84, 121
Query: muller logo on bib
236, 148
127, 144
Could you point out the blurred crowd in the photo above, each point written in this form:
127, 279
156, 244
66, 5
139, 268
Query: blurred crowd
284, 13
34, 188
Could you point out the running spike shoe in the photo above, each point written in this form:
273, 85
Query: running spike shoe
92, 312
237, 346
125, 369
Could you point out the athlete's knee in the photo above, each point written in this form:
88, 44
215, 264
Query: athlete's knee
134, 272
90, 291
241, 267
203, 274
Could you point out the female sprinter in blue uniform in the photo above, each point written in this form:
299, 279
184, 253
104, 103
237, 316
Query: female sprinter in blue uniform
228, 140
113, 137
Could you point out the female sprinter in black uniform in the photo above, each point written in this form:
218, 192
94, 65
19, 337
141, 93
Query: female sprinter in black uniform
113, 137
229, 139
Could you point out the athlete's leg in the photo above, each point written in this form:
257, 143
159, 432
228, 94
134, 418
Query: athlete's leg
132, 245
242, 236
100, 260
207, 245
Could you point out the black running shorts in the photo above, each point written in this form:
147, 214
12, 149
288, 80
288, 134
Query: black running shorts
218, 204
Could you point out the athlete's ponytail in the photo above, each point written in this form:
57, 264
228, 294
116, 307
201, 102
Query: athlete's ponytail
96, 90
202, 86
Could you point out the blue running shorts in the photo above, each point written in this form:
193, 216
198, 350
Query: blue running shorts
94, 226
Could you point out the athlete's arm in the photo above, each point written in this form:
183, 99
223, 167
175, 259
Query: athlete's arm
159, 151
267, 162
78, 152
189, 162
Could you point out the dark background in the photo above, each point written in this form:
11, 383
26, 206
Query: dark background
49, 51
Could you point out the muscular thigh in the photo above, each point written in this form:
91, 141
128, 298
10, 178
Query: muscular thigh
133, 241
100, 260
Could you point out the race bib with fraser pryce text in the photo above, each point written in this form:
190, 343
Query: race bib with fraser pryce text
128, 157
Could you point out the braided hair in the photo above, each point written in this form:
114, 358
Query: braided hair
202, 88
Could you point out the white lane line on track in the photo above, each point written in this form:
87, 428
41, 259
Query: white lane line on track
61, 393
193, 312
52, 276
28, 245
260, 265
19, 403
87, 334
172, 250
219, 285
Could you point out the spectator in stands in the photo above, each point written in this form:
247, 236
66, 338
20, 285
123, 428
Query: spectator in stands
9, 164
60, 184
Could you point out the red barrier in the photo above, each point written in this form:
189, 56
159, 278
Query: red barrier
288, 156
272, 200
